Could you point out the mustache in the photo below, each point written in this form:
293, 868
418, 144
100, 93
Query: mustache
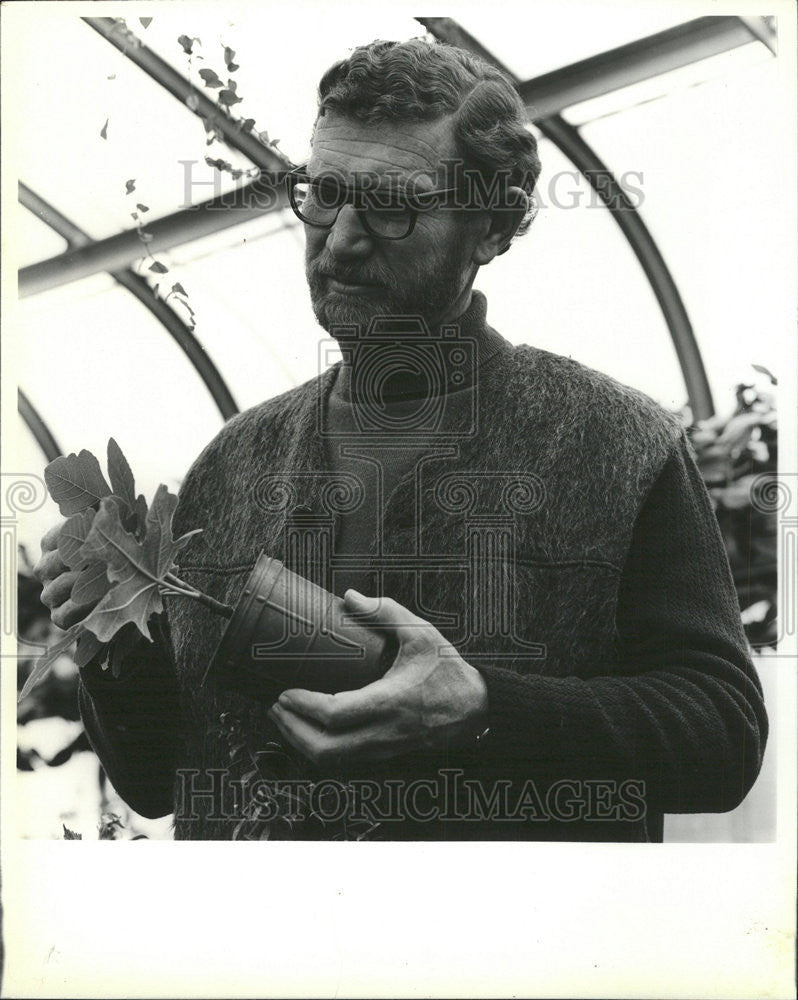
350, 273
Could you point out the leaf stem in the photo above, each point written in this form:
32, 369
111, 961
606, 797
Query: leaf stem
225, 610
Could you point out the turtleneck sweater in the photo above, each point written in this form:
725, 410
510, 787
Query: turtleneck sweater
400, 387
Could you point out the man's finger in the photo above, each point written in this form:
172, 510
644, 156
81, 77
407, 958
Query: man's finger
331, 750
69, 613
58, 590
50, 566
304, 736
50, 539
384, 612
344, 710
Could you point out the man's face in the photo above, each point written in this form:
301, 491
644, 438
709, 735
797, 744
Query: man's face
354, 276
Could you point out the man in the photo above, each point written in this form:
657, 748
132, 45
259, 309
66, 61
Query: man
535, 537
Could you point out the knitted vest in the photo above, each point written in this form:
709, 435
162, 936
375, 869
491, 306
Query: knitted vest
536, 501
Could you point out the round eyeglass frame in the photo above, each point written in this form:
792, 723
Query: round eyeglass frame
300, 175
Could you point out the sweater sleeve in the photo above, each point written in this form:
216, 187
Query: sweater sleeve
684, 712
135, 723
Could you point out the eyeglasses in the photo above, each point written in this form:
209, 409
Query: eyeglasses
384, 215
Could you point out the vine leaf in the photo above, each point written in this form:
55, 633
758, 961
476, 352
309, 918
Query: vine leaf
142, 208
159, 268
130, 186
187, 43
210, 79
120, 475
229, 97
104, 130
42, 664
136, 569
76, 482
764, 371
145, 22
229, 57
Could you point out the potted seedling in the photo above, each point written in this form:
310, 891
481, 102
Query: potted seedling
284, 631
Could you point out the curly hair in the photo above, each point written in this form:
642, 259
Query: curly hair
421, 81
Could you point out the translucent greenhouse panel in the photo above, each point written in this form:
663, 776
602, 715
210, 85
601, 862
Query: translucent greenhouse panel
277, 71
96, 364
544, 42
572, 285
711, 158
77, 87
247, 289
33, 239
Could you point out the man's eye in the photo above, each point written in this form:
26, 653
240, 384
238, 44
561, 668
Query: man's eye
328, 194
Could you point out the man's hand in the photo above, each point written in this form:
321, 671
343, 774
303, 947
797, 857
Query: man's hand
429, 698
57, 579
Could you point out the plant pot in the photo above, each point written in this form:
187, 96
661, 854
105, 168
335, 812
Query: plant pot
286, 632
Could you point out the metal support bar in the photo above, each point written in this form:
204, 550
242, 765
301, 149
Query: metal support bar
640, 60
553, 92
128, 43
184, 338
604, 182
38, 427
566, 137
265, 194
139, 287
762, 29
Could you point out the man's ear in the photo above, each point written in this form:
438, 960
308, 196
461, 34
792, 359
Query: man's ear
502, 225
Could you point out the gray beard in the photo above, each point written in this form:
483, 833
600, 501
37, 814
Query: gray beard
426, 295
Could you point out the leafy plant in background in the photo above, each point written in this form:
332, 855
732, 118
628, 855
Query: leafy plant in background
123, 551
734, 454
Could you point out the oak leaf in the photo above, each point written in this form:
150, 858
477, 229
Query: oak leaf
76, 482
136, 569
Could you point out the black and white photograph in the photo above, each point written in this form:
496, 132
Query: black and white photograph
400, 500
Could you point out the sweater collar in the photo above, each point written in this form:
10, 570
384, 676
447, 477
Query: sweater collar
417, 379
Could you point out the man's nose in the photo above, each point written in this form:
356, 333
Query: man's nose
347, 239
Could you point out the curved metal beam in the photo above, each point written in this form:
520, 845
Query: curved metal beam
38, 427
139, 287
567, 138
